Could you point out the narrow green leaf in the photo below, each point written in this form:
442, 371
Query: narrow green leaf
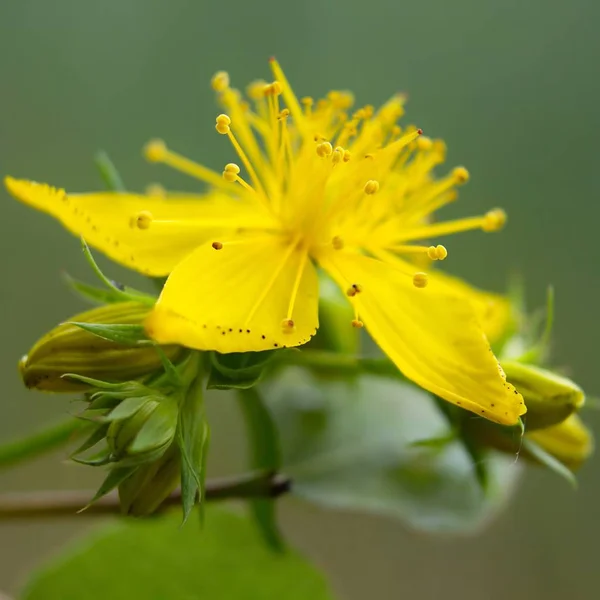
128, 335
115, 477
93, 293
108, 172
265, 455
97, 435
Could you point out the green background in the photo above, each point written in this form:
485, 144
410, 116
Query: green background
512, 86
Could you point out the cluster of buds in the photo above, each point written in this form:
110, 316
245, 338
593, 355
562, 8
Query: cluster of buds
135, 395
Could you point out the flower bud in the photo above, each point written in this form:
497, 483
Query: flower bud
550, 398
570, 442
69, 349
151, 484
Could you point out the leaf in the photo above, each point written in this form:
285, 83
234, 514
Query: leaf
108, 172
128, 335
115, 476
93, 293
238, 370
265, 455
158, 560
351, 445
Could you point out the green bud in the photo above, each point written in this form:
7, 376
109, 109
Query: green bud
570, 442
550, 398
151, 484
69, 349
122, 433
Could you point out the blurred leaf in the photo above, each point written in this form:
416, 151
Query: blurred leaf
158, 560
265, 455
355, 445
549, 461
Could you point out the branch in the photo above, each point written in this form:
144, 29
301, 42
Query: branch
31, 505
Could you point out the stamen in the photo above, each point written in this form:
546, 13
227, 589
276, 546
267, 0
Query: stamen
420, 280
156, 190
357, 323
217, 245
288, 326
461, 175
220, 81
494, 220
337, 243
231, 172
354, 289
371, 187
307, 102
324, 149
142, 220
222, 125
157, 151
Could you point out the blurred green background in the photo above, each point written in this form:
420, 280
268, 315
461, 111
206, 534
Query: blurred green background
512, 87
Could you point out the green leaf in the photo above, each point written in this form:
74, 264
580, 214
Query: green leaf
128, 335
158, 560
115, 477
109, 173
265, 455
351, 445
238, 370
93, 293
97, 436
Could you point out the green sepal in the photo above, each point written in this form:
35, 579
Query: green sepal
158, 430
128, 335
115, 477
96, 437
546, 459
127, 408
100, 459
237, 370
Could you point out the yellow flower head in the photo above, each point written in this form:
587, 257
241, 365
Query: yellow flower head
314, 184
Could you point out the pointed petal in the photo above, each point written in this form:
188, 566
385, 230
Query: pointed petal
432, 336
235, 299
105, 221
494, 311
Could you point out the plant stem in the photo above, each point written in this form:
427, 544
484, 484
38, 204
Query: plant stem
40, 442
30, 505
332, 362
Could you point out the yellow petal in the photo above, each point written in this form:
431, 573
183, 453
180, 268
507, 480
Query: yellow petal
237, 298
177, 224
570, 441
432, 336
494, 311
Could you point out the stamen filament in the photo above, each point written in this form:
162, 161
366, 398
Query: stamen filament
439, 229
296, 285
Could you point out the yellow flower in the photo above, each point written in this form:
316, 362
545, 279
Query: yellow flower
317, 186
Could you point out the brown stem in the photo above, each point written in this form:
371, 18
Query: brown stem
31, 505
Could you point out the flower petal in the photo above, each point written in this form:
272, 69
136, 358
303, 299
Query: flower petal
179, 223
433, 337
494, 311
235, 299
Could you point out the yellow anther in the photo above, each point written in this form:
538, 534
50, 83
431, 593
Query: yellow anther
337, 156
494, 220
424, 143
420, 280
337, 242
142, 220
396, 131
288, 326
156, 190
371, 187
442, 253
307, 101
369, 109
220, 81
217, 245
437, 252
256, 89
272, 89
324, 149
354, 289
155, 150
223, 123
284, 114
231, 172
347, 155
358, 324
460, 174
